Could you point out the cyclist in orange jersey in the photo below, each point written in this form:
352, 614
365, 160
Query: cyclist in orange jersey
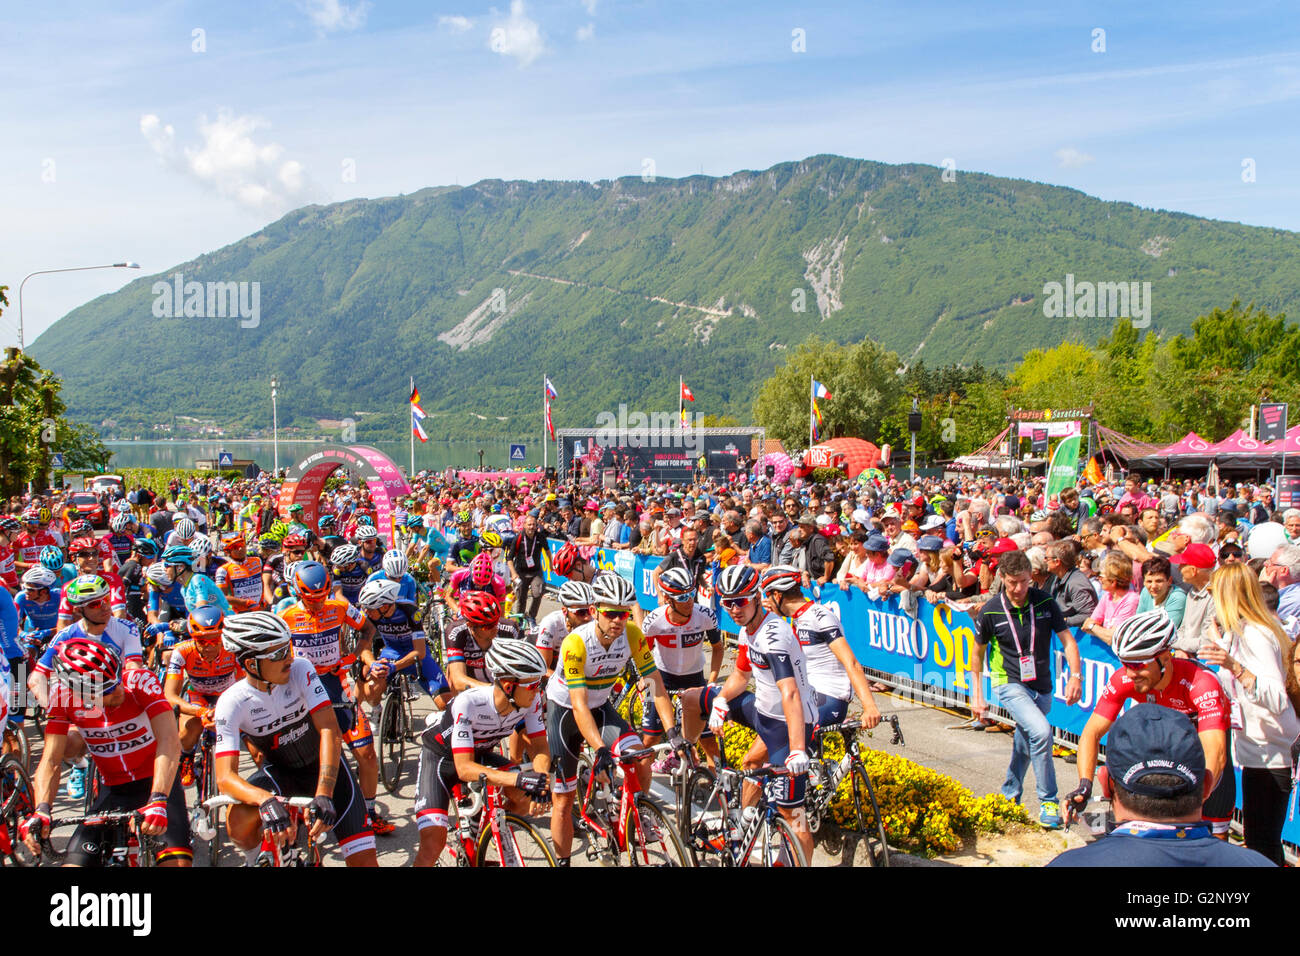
240, 578
208, 669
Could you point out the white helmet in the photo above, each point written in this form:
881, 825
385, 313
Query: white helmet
254, 634
375, 594
158, 575
576, 594
184, 528
39, 577
201, 545
512, 659
120, 522
610, 589
1144, 636
344, 555
394, 564
365, 531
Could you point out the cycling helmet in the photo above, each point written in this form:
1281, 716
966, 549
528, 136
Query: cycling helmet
613, 591
498, 523
10, 525
80, 529
463, 518
480, 569
32, 517
269, 542
78, 545
231, 539
178, 554
295, 507
394, 564
737, 581
344, 555
201, 545
43, 514
158, 575
780, 578
365, 532
87, 667
365, 518
326, 521
375, 594
311, 580
480, 607
512, 659
576, 594
278, 530
52, 558
294, 541
255, 634
86, 589
147, 547
677, 584
414, 520
563, 560
205, 622
40, 577
184, 528
1144, 636
490, 539
119, 523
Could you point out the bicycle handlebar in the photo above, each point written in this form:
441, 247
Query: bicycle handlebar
302, 803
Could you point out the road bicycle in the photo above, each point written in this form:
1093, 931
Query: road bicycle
630, 824
720, 832
486, 834
15, 806
301, 850
396, 727
847, 778
121, 844
205, 824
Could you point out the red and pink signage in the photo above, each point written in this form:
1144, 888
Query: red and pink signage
382, 477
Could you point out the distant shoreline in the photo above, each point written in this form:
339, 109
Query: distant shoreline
286, 441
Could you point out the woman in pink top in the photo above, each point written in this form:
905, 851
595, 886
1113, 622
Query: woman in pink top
1118, 602
867, 565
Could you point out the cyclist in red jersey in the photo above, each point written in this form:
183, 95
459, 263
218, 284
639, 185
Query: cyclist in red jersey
86, 555
27, 546
1151, 674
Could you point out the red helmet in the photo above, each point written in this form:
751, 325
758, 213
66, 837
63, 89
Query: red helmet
87, 543
86, 666
563, 560
481, 608
295, 541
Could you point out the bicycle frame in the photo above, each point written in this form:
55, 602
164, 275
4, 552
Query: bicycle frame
269, 854
613, 832
472, 821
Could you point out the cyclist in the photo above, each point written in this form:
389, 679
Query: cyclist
367, 541
196, 589
393, 568
434, 548
198, 670
780, 709
38, 605
677, 633
405, 649
131, 735
27, 545
10, 528
576, 603
166, 609
121, 539
569, 563
466, 545
833, 671
87, 556
182, 533
240, 577
81, 534
579, 710
349, 574
273, 565
284, 710
479, 576
459, 748
144, 551
469, 636
52, 558
1151, 674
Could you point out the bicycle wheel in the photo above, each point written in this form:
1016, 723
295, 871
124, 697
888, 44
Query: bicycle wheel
15, 806
523, 844
392, 742
584, 780
778, 845
218, 853
870, 826
652, 839
706, 823
16, 737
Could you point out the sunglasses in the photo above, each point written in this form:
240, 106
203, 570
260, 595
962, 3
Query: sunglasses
279, 655
1134, 665
295, 550
98, 602
85, 554
581, 613
735, 602
614, 614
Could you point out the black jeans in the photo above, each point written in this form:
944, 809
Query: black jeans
529, 588
1265, 793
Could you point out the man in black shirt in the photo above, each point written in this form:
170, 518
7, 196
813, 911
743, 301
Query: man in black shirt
688, 556
526, 559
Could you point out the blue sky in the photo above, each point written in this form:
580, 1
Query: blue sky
124, 142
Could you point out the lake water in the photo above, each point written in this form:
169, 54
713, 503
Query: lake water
433, 456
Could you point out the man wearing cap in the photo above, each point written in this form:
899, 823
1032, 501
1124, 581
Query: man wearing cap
1157, 781
1196, 561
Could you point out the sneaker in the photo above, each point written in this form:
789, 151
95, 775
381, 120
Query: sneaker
667, 763
187, 770
380, 826
1049, 815
77, 784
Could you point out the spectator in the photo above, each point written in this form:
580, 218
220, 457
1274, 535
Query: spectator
1118, 601
1070, 586
1021, 620
1291, 522
760, 545
1156, 782
1158, 591
1250, 652
1282, 570
1197, 562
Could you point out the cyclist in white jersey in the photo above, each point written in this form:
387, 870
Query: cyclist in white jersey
576, 602
780, 709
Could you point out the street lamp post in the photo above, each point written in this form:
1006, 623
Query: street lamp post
275, 425
45, 272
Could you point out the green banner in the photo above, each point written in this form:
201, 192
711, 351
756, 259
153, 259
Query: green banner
1065, 466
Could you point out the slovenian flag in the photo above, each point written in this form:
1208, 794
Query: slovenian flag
820, 390
417, 415
550, 389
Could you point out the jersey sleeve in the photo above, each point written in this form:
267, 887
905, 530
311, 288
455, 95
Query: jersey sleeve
1212, 711
642, 658
356, 618
573, 661
1113, 696
176, 663
462, 731
226, 717
712, 632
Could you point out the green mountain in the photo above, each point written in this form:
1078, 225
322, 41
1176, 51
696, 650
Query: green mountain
615, 288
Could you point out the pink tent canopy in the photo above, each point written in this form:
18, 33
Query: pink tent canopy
1189, 444
1238, 443
1290, 446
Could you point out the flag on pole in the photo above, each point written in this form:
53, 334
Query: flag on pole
687, 395
817, 423
550, 389
820, 390
550, 428
417, 415
1093, 472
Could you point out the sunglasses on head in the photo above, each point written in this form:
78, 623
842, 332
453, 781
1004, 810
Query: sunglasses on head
615, 614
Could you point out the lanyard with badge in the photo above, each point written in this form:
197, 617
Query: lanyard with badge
1028, 669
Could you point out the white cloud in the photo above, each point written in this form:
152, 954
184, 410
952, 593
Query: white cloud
590, 5
1070, 158
587, 32
517, 36
456, 24
331, 15
229, 161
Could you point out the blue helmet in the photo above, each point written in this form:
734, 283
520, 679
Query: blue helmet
179, 554
52, 558
311, 580
414, 520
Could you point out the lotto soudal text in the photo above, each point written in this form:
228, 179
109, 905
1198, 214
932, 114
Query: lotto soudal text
76, 909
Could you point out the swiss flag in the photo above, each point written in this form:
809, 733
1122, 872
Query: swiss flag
687, 396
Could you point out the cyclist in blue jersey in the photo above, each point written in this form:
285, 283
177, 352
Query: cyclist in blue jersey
371, 554
12, 657
38, 604
197, 589
405, 649
394, 569
349, 574
52, 558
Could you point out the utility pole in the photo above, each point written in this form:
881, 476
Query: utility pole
914, 426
